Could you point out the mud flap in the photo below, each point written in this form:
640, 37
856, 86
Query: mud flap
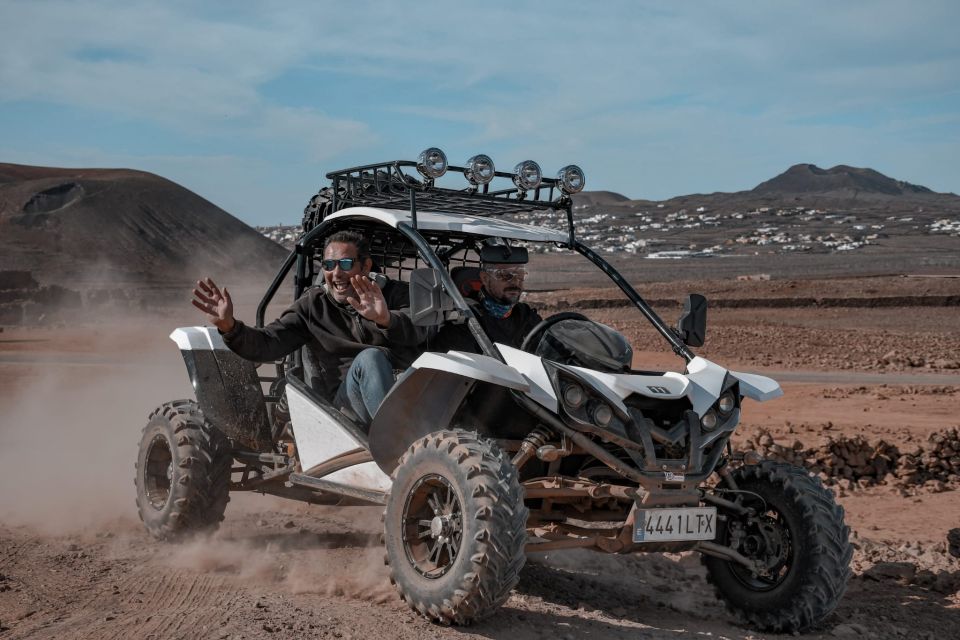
227, 387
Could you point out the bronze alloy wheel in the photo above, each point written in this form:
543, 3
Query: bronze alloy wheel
432, 526
797, 534
159, 472
182, 473
454, 527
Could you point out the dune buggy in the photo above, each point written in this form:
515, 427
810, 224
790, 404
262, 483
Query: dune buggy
480, 458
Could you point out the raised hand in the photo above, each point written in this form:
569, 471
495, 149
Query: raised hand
216, 304
369, 302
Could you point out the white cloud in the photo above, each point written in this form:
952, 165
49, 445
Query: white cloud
692, 95
319, 136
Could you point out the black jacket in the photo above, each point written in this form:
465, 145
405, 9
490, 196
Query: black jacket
509, 331
334, 333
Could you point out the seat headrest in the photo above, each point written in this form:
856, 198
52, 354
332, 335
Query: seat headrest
467, 280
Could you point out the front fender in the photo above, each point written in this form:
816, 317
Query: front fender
427, 396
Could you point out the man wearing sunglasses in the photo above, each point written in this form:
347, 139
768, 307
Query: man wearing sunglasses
357, 333
497, 305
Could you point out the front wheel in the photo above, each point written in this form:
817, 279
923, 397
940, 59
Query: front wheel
797, 534
183, 472
455, 527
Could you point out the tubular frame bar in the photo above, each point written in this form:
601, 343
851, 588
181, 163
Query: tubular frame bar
679, 347
328, 486
461, 305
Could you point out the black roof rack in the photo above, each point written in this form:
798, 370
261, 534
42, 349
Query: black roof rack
386, 185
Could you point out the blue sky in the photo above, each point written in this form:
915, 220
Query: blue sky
250, 103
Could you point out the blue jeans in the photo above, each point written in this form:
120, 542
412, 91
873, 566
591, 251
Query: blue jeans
366, 384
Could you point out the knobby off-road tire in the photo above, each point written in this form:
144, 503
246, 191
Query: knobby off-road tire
807, 543
183, 472
455, 527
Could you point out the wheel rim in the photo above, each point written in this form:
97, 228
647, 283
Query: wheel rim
432, 526
766, 538
158, 472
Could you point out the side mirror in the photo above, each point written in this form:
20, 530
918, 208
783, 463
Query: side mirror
429, 303
693, 321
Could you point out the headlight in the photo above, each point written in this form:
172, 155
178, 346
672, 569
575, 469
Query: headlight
432, 163
727, 402
527, 175
571, 179
479, 169
709, 420
602, 415
574, 395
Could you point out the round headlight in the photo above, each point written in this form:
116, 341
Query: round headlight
727, 402
432, 163
602, 415
527, 175
709, 420
573, 395
571, 179
479, 169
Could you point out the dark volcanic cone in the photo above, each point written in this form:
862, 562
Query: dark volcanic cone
840, 181
91, 224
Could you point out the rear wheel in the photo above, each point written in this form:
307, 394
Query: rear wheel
455, 527
183, 472
798, 535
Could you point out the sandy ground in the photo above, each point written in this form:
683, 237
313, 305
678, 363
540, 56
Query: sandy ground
75, 562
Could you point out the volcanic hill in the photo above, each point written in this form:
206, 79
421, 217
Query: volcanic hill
835, 188
840, 181
76, 225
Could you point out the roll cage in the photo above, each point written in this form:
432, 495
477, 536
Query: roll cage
404, 243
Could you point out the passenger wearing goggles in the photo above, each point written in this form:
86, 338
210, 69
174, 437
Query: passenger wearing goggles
505, 319
357, 334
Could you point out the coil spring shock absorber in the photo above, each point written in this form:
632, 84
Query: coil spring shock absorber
281, 410
538, 437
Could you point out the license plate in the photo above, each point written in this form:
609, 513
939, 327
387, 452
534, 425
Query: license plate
670, 525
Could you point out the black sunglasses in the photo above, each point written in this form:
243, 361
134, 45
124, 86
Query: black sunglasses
346, 264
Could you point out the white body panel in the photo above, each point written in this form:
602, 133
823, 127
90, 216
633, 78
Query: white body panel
460, 223
475, 367
531, 368
367, 475
759, 388
706, 381
320, 438
702, 383
198, 339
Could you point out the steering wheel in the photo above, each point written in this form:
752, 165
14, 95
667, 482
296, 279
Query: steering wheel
533, 338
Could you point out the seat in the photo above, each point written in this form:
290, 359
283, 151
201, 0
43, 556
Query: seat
467, 281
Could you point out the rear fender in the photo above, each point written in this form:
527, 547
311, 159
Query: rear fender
227, 387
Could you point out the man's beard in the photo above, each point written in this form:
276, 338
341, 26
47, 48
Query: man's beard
511, 295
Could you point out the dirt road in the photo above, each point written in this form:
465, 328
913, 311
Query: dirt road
76, 564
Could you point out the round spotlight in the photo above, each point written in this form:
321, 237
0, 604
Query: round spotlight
432, 163
726, 402
479, 169
573, 395
571, 179
602, 415
709, 421
527, 175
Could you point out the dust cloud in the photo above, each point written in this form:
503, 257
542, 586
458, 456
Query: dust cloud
71, 412
328, 557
